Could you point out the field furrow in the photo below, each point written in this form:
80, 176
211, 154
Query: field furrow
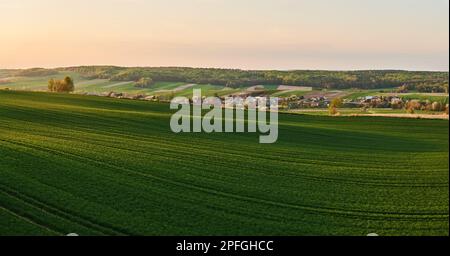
99, 166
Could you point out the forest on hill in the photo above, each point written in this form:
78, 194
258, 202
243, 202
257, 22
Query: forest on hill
422, 81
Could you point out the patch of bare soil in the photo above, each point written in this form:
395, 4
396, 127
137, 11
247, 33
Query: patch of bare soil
326, 94
293, 88
178, 89
255, 88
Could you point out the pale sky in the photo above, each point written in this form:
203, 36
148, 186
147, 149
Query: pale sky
247, 34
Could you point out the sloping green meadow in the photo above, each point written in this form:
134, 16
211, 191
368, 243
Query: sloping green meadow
101, 166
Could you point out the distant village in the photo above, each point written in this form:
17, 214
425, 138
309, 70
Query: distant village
364, 102
300, 102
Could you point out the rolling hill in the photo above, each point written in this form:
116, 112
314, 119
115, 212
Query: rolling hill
101, 166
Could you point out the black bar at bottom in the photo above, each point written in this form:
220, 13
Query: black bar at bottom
197, 245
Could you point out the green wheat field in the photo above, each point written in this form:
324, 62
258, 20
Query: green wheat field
99, 166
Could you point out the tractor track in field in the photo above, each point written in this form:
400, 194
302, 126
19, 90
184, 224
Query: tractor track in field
58, 212
306, 208
30, 221
210, 162
54, 114
116, 164
154, 140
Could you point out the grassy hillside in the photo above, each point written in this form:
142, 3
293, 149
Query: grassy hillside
15, 80
100, 166
439, 97
83, 85
234, 78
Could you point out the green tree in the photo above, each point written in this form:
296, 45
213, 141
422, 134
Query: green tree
68, 84
144, 82
51, 85
334, 105
65, 85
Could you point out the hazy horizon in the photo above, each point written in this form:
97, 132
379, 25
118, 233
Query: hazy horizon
253, 35
274, 69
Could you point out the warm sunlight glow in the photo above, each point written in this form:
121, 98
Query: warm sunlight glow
249, 34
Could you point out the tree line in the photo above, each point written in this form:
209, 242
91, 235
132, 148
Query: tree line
235, 78
31, 72
64, 85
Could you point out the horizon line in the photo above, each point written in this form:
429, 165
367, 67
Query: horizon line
224, 68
